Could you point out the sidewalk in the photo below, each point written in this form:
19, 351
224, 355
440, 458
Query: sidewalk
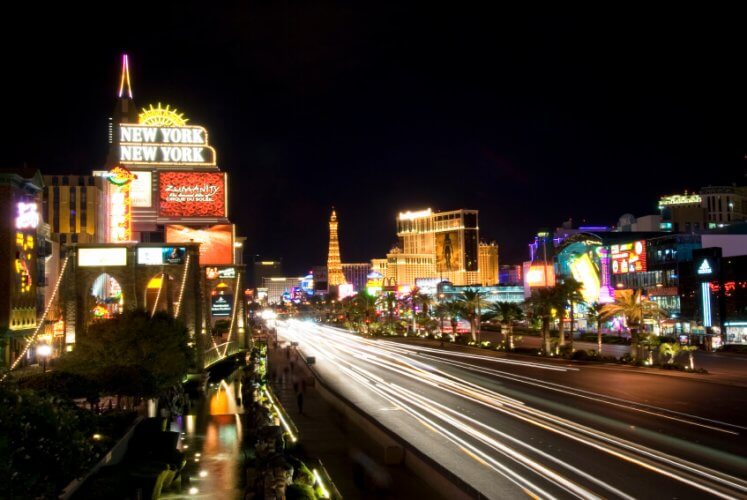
352, 459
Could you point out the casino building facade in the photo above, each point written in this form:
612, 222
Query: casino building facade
160, 238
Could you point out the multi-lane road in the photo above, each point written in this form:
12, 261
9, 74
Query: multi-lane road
513, 428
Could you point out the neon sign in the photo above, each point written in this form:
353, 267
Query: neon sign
628, 257
23, 263
164, 145
705, 267
28, 216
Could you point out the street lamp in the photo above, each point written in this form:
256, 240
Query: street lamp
44, 351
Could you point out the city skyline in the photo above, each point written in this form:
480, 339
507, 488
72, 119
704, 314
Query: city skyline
351, 108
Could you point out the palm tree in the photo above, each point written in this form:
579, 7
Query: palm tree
388, 302
567, 292
594, 314
507, 312
541, 304
634, 308
365, 307
453, 309
415, 298
472, 302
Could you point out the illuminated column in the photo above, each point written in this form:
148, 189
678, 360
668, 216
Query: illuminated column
606, 293
120, 205
335, 276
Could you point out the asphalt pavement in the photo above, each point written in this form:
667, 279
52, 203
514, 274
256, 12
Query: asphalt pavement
518, 427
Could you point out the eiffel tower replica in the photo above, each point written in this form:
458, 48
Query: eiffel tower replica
335, 277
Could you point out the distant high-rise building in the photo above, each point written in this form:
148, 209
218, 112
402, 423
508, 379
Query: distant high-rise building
357, 274
488, 264
335, 276
265, 268
713, 208
436, 245
510, 275
75, 208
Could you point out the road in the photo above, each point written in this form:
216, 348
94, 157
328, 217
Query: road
515, 428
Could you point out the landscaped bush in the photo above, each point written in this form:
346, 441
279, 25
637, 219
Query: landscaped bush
606, 339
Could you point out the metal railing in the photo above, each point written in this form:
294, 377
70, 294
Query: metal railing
221, 351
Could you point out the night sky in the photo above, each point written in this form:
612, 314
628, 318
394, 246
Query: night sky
375, 109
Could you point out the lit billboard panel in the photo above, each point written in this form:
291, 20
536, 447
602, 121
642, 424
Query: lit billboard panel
537, 275
95, 257
448, 251
628, 257
192, 194
156, 256
585, 272
141, 190
216, 247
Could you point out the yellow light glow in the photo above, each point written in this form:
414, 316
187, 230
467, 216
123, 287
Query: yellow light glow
415, 215
155, 283
162, 117
584, 272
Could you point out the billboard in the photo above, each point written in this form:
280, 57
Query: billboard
220, 305
216, 247
448, 251
192, 194
141, 190
156, 256
213, 273
628, 257
585, 272
109, 256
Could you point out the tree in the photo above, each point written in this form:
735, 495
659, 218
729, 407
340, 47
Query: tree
573, 294
634, 308
154, 350
44, 444
365, 308
472, 301
507, 313
594, 315
453, 309
541, 304
388, 302
415, 298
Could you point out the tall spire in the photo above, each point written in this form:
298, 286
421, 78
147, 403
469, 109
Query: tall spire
124, 79
335, 277
124, 111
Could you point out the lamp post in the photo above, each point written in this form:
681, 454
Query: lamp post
44, 351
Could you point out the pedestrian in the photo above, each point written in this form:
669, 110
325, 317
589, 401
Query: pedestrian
303, 385
299, 401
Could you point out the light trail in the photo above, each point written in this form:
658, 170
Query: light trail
597, 397
350, 354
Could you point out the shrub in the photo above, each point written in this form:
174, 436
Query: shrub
462, 339
300, 492
582, 355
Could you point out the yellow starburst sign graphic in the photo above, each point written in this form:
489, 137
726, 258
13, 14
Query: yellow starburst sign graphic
162, 117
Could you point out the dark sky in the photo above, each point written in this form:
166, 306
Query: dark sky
529, 117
